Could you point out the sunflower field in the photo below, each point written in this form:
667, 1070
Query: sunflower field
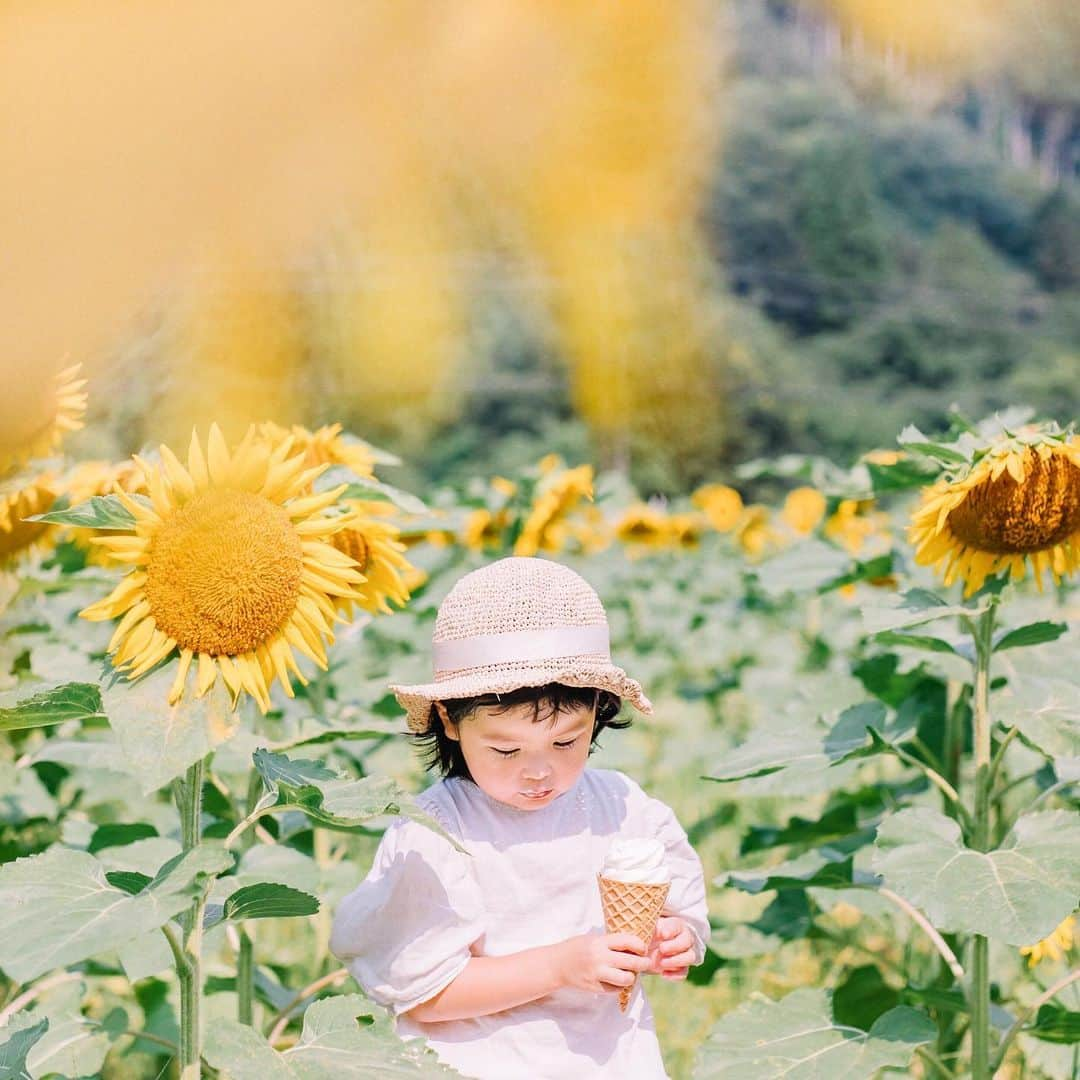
865, 716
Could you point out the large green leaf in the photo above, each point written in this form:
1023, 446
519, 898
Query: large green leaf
1046, 710
332, 1046
1037, 633
46, 706
1016, 894
269, 899
797, 1039
159, 740
824, 869
58, 908
72, 1046
913, 608
336, 802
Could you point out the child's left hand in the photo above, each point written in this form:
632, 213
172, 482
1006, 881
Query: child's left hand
672, 949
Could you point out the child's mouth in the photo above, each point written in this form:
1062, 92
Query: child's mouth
537, 794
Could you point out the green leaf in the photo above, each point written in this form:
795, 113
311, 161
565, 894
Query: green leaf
159, 740
367, 487
54, 705
862, 997
58, 908
98, 512
1047, 712
337, 802
822, 869
73, 1046
15, 1048
267, 900
877, 567
115, 834
332, 1046
837, 821
1016, 894
797, 1038
911, 438
1033, 634
903, 475
913, 608
915, 641
1055, 1024
130, 881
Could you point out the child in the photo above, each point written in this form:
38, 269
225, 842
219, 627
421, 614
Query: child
499, 957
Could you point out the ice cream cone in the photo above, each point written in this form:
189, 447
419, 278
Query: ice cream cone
632, 908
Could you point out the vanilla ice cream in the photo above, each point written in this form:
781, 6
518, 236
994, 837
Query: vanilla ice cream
636, 861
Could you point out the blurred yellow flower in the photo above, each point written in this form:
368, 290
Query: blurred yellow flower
231, 564
723, 505
36, 411
882, 457
755, 532
1020, 501
641, 524
557, 495
328, 445
484, 528
1053, 947
19, 538
854, 522
686, 529
374, 546
804, 507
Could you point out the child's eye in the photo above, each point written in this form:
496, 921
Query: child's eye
504, 753
567, 745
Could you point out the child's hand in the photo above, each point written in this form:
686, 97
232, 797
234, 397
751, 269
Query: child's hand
601, 962
671, 951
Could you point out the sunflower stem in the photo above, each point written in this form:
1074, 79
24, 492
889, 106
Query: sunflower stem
190, 974
245, 960
980, 963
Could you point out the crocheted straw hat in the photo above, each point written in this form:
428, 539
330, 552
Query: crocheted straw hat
518, 622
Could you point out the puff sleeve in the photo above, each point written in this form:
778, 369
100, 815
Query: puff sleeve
687, 895
405, 931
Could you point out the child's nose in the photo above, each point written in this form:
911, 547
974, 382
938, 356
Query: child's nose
537, 770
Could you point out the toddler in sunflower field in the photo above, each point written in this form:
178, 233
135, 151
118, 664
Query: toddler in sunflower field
497, 954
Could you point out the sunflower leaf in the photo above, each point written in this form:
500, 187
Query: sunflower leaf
269, 899
344, 1038
58, 908
824, 868
1056, 1024
1047, 712
797, 1036
915, 641
367, 487
16, 1047
913, 608
98, 512
1035, 633
53, 705
1016, 894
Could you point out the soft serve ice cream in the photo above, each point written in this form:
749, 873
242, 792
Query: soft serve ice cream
636, 861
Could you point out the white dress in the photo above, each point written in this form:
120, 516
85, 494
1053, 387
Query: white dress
410, 927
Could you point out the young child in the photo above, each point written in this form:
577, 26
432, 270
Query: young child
499, 957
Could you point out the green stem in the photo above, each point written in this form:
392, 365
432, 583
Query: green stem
189, 796
980, 964
245, 960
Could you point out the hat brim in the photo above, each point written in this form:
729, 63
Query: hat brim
417, 700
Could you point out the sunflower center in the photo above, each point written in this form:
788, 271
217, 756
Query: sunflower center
1007, 518
224, 572
351, 542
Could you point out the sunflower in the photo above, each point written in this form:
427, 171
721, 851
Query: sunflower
723, 505
685, 530
559, 493
804, 507
640, 524
854, 523
1018, 499
755, 532
36, 414
327, 445
373, 545
19, 537
231, 564
484, 528
90, 478
1053, 947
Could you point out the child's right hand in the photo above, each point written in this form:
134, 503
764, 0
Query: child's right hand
601, 962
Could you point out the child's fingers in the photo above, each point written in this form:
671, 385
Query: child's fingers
677, 944
626, 943
616, 979
678, 973
679, 960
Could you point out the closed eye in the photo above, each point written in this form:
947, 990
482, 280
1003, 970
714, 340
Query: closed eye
504, 753
567, 745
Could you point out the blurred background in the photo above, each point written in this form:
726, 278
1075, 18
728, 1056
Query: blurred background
661, 237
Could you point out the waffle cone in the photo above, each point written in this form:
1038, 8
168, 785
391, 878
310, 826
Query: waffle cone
631, 907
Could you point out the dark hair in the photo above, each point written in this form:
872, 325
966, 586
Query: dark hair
444, 753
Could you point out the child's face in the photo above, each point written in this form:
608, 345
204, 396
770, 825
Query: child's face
520, 761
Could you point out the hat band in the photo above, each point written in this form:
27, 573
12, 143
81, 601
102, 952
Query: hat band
545, 644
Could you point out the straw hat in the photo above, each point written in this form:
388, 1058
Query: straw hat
518, 622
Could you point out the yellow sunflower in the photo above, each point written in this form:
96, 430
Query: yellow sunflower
1053, 947
90, 478
723, 505
373, 544
327, 445
232, 564
685, 530
641, 525
558, 494
36, 412
804, 507
484, 528
1020, 500
755, 532
854, 523
18, 537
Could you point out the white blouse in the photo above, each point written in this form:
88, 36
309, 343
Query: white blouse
409, 928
